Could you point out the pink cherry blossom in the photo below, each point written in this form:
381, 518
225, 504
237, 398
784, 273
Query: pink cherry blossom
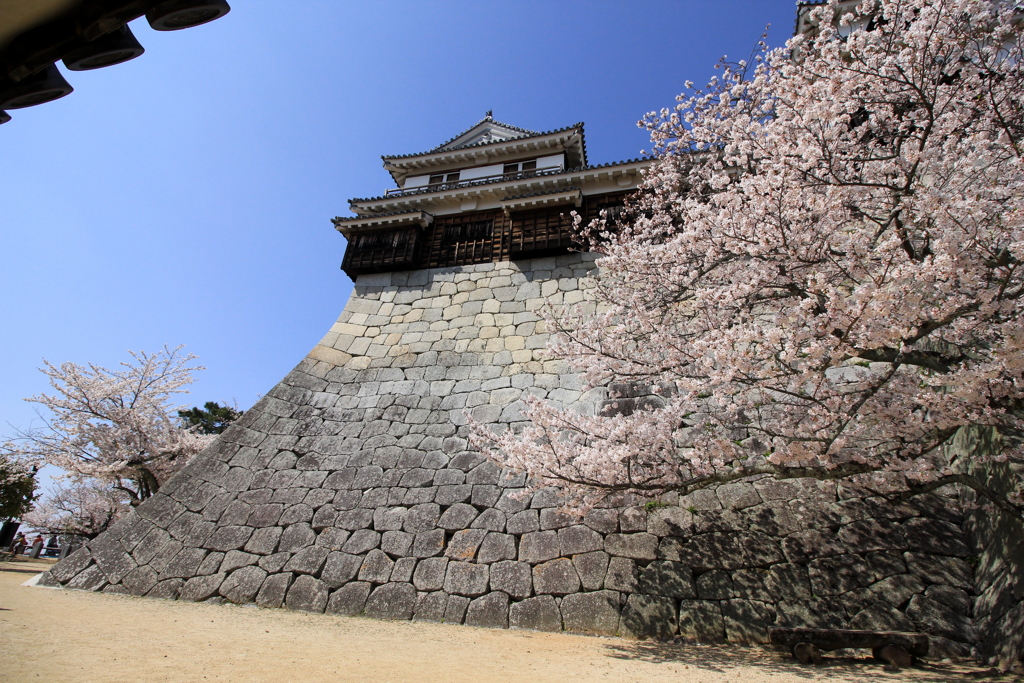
115, 427
821, 276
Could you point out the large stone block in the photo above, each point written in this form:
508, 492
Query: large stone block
242, 585
465, 578
350, 599
489, 611
490, 519
459, 516
200, 587
430, 573
877, 617
307, 594
556, 577
578, 539
873, 534
299, 512
428, 543
430, 606
309, 560
523, 522
496, 547
539, 546
836, 575
89, 579
591, 568
670, 521
701, 621
296, 537
391, 601
340, 568
602, 521
376, 567
723, 550
361, 541
210, 564
111, 558
71, 565
952, 597
815, 613
166, 590
648, 617
942, 620
264, 541
463, 544
184, 564
936, 537
810, 544
389, 518
455, 610
896, 590
274, 563
595, 613
537, 614
513, 578
747, 621
951, 571
273, 590
236, 558
787, 581
139, 581
668, 579
622, 575
738, 496
640, 546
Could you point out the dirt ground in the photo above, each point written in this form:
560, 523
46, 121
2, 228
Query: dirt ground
78, 637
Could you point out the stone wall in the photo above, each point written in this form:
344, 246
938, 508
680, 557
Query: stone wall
998, 542
350, 488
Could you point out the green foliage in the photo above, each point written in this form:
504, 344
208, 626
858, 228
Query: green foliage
692, 508
212, 418
653, 505
17, 489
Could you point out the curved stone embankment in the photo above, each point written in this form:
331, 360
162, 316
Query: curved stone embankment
350, 488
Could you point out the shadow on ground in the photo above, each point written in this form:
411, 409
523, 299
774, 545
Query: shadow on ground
25, 565
725, 658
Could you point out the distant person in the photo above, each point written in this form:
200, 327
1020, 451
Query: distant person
18, 545
37, 546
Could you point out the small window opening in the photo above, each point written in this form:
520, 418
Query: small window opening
469, 231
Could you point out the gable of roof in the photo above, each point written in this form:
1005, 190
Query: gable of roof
483, 131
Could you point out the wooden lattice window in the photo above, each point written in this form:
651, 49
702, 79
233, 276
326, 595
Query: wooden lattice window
544, 231
382, 250
613, 205
469, 231
460, 241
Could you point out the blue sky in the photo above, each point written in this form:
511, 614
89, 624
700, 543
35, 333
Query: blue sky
185, 197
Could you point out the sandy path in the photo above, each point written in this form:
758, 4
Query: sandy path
84, 637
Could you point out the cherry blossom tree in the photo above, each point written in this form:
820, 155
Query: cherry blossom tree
821, 276
83, 509
116, 427
17, 487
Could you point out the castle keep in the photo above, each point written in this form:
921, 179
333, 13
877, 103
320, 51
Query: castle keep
350, 488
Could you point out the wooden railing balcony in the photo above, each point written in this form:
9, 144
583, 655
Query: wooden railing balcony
485, 180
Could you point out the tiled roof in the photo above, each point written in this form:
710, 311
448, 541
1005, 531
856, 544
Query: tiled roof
526, 134
557, 190
343, 219
492, 181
